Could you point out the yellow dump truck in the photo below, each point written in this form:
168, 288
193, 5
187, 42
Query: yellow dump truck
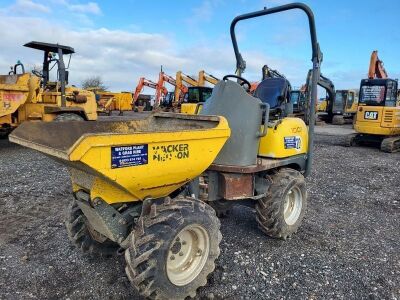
28, 97
151, 188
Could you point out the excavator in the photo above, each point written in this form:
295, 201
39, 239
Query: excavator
163, 97
196, 93
378, 114
140, 101
34, 96
338, 108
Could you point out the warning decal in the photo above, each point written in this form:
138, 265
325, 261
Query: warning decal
292, 142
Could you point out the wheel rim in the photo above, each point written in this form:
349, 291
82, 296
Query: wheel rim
293, 205
187, 254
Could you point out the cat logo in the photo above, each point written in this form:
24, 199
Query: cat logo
371, 115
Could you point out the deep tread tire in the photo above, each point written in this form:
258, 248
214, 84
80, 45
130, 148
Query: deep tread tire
270, 209
149, 246
66, 117
79, 234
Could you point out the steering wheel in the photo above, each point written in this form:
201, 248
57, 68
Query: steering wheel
243, 81
37, 73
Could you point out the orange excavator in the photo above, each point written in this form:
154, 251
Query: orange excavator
137, 99
162, 94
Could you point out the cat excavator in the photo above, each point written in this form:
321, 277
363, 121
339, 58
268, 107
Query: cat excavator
378, 114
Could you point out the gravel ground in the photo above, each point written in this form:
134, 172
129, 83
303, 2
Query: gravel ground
347, 248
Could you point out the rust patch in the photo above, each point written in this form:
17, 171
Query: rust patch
236, 186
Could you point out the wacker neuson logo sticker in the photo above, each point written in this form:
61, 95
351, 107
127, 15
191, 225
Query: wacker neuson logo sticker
371, 115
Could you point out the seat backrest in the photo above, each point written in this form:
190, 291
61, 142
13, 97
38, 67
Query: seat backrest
244, 115
272, 91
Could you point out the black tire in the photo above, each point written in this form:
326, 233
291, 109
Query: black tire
271, 209
149, 248
65, 117
222, 207
84, 237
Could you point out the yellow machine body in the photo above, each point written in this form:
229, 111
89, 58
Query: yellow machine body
126, 161
378, 120
110, 101
22, 99
191, 108
286, 137
322, 106
351, 106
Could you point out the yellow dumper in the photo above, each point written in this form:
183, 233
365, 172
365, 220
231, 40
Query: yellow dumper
153, 187
32, 96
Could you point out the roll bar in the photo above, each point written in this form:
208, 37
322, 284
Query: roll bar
316, 60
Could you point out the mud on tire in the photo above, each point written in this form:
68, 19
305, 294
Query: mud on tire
84, 237
288, 187
160, 239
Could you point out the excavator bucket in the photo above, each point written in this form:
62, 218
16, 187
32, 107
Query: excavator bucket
129, 160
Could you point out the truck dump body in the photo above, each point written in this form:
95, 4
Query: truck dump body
129, 160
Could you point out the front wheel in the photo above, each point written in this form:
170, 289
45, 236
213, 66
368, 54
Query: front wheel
280, 213
173, 249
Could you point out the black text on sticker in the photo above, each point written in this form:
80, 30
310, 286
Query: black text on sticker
371, 115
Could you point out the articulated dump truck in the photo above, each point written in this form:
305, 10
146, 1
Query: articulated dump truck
152, 188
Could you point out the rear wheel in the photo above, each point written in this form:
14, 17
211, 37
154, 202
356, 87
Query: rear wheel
65, 117
173, 249
84, 236
281, 212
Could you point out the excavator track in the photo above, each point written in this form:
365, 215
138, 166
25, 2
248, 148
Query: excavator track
391, 144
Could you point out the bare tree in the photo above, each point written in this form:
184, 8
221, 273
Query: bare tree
94, 83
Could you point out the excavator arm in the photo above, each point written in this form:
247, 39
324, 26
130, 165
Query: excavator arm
205, 77
376, 68
181, 87
142, 83
161, 89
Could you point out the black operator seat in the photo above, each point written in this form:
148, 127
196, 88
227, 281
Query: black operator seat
244, 115
273, 91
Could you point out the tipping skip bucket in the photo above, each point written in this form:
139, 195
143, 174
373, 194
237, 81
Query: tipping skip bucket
129, 160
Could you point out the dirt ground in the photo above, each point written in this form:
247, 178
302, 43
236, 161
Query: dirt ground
347, 248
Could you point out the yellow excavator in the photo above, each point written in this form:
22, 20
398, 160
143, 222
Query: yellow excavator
378, 114
32, 96
198, 93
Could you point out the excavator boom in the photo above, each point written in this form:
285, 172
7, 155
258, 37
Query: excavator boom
376, 68
142, 83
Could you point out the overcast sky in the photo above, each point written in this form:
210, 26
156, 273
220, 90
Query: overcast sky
124, 40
